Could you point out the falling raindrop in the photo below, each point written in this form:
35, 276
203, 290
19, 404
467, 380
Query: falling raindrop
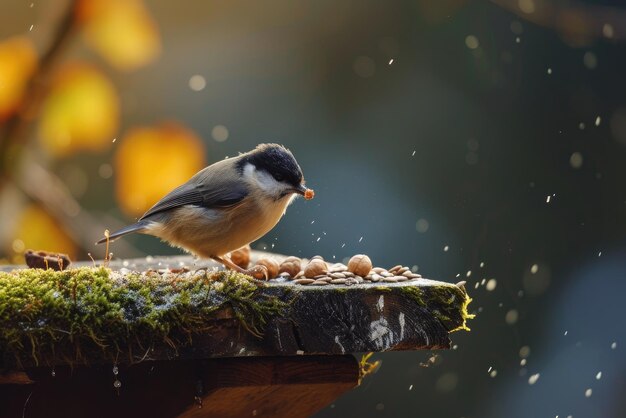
115, 370
588, 393
53, 373
599, 376
117, 384
533, 378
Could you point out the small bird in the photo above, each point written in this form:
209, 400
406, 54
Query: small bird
226, 205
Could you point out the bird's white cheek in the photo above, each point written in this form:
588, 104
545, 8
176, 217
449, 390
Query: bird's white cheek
263, 180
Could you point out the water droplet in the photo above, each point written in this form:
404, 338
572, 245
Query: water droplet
491, 285
534, 268
598, 120
549, 70
391, 61
613, 345
53, 373
533, 378
599, 376
588, 393
115, 370
446, 248
117, 384
471, 42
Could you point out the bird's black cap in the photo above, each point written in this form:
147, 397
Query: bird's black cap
277, 161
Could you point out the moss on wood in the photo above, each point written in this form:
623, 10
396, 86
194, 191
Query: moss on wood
447, 303
88, 313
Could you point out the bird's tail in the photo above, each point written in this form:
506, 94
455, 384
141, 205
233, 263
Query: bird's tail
136, 227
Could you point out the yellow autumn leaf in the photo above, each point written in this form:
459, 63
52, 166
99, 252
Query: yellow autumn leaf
151, 161
81, 112
37, 230
122, 31
18, 61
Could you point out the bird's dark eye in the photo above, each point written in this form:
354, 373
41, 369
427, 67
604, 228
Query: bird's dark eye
279, 177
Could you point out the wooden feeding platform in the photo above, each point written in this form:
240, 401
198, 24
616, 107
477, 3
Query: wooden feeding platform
176, 337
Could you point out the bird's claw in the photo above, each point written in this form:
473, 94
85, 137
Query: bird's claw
259, 272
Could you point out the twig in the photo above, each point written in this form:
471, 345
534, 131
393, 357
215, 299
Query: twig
16, 127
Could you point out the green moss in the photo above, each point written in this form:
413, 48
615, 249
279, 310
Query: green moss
447, 303
93, 313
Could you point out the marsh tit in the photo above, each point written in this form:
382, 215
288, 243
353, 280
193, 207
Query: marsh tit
226, 205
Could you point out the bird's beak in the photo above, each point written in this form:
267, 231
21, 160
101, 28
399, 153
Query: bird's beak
301, 189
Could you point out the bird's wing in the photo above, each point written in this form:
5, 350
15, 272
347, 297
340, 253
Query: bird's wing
214, 194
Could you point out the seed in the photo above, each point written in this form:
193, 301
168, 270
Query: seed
291, 265
315, 267
378, 269
348, 274
402, 270
408, 273
338, 275
394, 268
319, 283
401, 278
338, 281
300, 274
360, 264
271, 265
386, 274
390, 279
241, 257
303, 281
338, 268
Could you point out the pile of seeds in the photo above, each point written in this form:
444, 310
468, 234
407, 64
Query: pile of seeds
317, 272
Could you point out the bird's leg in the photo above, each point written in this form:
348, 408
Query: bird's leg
258, 272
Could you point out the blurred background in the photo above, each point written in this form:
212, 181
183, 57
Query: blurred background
479, 141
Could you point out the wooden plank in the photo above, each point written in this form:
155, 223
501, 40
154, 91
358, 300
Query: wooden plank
263, 387
329, 320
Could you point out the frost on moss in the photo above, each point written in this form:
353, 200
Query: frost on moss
83, 314
447, 303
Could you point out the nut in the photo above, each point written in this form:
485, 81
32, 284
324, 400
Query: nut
241, 257
309, 194
360, 265
291, 266
271, 265
315, 268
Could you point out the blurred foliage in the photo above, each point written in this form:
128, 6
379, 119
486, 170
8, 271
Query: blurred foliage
143, 175
18, 60
35, 228
81, 111
122, 31
68, 107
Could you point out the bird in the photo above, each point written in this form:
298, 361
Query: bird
225, 206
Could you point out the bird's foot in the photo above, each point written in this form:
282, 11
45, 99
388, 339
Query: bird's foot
259, 273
